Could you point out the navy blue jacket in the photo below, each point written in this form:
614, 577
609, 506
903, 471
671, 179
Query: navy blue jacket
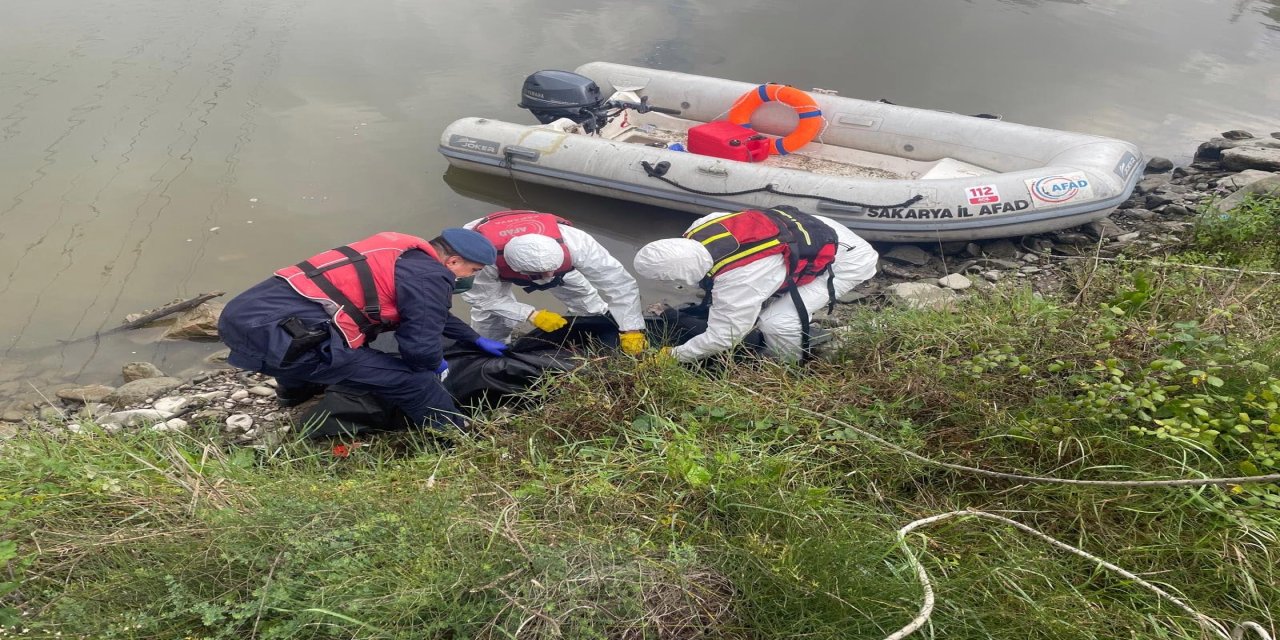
424, 297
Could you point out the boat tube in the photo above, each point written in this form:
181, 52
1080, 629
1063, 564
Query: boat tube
889, 172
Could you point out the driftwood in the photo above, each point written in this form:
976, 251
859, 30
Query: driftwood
162, 312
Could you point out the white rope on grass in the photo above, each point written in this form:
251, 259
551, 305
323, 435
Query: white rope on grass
926, 608
1184, 482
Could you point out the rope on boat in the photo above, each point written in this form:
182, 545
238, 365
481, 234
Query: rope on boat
926, 585
659, 171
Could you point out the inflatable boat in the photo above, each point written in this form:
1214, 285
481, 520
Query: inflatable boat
891, 173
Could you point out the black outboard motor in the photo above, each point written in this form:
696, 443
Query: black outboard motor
552, 94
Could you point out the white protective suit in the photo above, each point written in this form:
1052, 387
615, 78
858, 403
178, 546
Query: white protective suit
597, 284
739, 293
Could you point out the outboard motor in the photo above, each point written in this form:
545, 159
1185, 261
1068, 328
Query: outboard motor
552, 94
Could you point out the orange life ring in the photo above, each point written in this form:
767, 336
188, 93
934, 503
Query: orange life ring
811, 120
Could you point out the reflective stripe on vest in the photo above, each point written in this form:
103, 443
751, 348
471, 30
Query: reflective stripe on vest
340, 280
737, 239
502, 226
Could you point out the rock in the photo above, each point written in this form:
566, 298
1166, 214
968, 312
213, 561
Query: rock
955, 281
139, 390
922, 295
1156, 200
239, 394
953, 248
200, 323
1103, 228
262, 391
1075, 237
172, 404
239, 422
8, 431
1237, 134
1068, 249
1175, 210
133, 417
91, 394
1030, 257
909, 254
218, 357
1028, 270
1242, 158
1127, 237
139, 371
51, 414
271, 382
212, 395
1212, 150
1182, 172
95, 411
176, 424
991, 276
1151, 183
851, 297
1003, 249
13, 416
973, 250
1264, 186
1244, 178
1159, 165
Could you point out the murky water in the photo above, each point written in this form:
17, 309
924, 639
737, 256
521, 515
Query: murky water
154, 149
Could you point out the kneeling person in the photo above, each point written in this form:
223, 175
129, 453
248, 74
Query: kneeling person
772, 267
310, 324
542, 252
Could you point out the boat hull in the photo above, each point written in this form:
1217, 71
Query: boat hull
1013, 179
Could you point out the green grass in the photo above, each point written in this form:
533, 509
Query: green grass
633, 500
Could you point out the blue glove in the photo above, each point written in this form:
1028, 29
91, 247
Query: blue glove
443, 369
492, 347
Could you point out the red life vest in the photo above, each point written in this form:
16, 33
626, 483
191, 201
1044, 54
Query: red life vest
356, 283
806, 244
502, 226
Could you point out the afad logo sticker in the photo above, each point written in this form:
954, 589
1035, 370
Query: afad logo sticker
1055, 190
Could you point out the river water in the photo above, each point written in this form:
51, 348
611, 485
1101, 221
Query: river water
157, 149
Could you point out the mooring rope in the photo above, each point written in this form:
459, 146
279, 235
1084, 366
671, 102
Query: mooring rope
926, 585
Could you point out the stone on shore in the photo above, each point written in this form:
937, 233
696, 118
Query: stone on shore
200, 323
139, 390
1241, 158
139, 371
956, 282
90, 394
909, 254
133, 418
1159, 165
241, 422
1244, 178
922, 295
1269, 185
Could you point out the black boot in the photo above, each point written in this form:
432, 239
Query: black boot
294, 396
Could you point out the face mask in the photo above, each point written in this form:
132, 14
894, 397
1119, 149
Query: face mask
462, 285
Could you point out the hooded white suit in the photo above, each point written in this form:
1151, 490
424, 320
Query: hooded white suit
740, 293
597, 284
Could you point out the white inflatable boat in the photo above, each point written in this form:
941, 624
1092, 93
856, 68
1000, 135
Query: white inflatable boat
890, 173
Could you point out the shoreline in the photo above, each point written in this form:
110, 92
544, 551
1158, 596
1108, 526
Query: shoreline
1156, 216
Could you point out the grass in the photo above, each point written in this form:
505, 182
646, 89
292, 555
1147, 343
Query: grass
631, 500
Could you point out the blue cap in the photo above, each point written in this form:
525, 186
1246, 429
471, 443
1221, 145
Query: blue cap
470, 245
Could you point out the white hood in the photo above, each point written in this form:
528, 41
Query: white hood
674, 260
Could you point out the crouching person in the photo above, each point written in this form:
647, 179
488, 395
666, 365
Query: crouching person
769, 268
542, 252
310, 324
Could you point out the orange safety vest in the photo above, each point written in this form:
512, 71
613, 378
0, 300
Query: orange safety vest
807, 245
357, 282
502, 226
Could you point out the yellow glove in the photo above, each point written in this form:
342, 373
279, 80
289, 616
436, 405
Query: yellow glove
633, 342
661, 358
547, 320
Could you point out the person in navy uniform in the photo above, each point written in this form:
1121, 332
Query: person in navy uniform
310, 324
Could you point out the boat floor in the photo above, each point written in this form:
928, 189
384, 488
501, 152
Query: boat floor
816, 157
